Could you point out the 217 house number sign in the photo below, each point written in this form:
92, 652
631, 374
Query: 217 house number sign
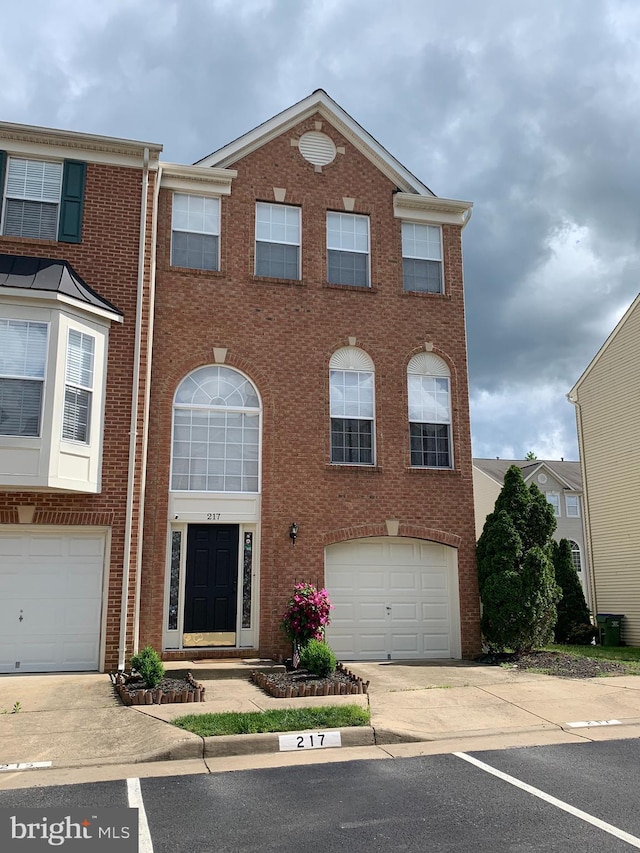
309, 740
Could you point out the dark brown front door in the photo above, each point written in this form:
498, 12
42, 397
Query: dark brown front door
211, 585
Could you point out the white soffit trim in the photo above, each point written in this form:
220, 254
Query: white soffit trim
27, 296
572, 396
25, 139
197, 179
319, 102
440, 211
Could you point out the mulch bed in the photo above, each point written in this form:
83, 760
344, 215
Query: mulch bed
564, 665
298, 682
132, 690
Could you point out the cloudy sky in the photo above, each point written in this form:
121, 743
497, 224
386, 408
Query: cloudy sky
530, 109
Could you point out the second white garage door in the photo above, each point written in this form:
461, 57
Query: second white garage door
50, 601
393, 599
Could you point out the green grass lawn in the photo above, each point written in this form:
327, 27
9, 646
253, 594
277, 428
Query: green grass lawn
628, 655
281, 720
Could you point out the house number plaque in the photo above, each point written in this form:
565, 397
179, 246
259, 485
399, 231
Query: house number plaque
309, 740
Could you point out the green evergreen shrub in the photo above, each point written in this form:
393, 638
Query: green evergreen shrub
148, 665
317, 657
573, 625
515, 572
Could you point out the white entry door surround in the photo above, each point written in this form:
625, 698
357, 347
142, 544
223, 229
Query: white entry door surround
394, 598
51, 594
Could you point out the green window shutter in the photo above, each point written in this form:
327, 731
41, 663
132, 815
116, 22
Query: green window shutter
3, 163
72, 201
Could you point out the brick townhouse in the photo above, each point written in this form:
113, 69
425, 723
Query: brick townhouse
218, 380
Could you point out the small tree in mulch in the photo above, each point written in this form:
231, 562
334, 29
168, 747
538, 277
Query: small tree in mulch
515, 572
306, 617
574, 625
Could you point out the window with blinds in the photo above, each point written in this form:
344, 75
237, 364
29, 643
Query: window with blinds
23, 355
78, 387
32, 198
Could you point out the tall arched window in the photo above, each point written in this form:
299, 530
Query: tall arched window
351, 391
575, 555
428, 385
216, 433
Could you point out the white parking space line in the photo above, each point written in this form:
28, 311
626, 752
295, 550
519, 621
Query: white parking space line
594, 821
134, 793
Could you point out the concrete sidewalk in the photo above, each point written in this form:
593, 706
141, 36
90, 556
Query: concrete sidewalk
77, 722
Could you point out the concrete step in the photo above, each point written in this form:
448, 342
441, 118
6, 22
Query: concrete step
206, 670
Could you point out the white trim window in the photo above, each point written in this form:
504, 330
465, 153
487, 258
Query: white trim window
576, 558
572, 506
23, 356
429, 397
348, 249
32, 198
352, 407
422, 258
277, 241
195, 235
554, 499
216, 433
78, 389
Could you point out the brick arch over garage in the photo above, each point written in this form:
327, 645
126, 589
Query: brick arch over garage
412, 531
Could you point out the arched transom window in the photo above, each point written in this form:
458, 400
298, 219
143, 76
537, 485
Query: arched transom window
216, 433
429, 393
575, 555
352, 407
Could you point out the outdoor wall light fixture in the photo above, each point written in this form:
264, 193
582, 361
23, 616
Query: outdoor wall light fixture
293, 532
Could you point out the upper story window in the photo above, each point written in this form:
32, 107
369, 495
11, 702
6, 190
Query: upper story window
195, 236
348, 249
23, 355
572, 506
575, 555
429, 396
32, 198
78, 386
422, 257
351, 389
277, 241
216, 432
554, 499
42, 199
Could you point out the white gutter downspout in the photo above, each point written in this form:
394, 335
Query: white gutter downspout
146, 407
133, 433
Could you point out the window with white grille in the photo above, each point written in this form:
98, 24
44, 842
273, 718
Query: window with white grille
277, 241
572, 506
348, 249
216, 433
429, 397
32, 198
576, 558
195, 237
352, 407
422, 257
78, 388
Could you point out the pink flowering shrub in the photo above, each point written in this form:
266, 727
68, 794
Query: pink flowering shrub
307, 614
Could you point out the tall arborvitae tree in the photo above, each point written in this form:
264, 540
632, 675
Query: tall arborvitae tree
517, 579
573, 625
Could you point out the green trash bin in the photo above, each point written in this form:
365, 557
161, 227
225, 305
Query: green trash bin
609, 625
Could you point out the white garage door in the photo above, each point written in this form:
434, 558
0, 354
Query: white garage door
50, 601
393, 599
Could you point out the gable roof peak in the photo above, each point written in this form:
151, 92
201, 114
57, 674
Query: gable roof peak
318, 102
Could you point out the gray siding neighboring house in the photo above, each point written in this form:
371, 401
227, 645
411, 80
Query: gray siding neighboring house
560, 482
607, 402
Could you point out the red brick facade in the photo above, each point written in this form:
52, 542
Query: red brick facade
281, 334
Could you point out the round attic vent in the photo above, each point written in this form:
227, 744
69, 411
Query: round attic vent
542, 478
317, 148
